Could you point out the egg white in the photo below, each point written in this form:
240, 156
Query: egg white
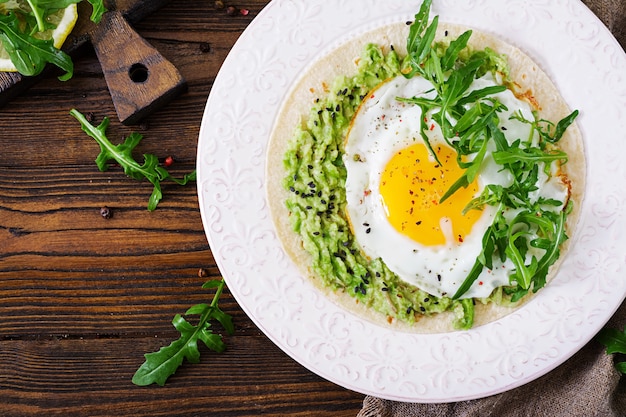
383, 126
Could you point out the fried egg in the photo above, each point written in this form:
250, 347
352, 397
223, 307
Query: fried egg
394, 186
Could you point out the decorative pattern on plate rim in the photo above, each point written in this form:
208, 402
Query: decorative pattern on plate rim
587, 65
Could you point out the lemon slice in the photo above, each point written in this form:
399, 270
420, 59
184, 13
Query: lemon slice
63, 19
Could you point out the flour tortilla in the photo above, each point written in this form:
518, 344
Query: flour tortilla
530, 81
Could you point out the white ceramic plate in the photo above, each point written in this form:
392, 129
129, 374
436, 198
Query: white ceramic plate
589, 68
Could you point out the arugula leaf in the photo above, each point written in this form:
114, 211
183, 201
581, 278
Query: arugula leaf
454, 49
30, 54
613, 339
160, 365
528, 156
98, 10
416, 45
482, 260
122, 154
476, 95
615, 342
563, 124
548, 131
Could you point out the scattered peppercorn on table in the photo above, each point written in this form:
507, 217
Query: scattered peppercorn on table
90, 279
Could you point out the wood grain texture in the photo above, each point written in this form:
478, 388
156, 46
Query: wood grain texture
82, 298
139, 78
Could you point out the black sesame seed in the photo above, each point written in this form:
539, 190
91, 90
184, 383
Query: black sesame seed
368, 230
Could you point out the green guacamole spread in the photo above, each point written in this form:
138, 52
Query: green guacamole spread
317, 202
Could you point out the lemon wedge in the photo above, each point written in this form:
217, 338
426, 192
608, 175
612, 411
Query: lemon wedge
62, 20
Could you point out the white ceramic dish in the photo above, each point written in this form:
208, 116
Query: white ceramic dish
589, 68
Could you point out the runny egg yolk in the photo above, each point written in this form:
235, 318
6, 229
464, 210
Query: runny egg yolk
411, 187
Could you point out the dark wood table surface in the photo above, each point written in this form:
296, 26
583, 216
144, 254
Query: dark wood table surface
82, 298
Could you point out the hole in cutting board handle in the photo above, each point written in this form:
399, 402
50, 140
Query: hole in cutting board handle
139, 78
138, 73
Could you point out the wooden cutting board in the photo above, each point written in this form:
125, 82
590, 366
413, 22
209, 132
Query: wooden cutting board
139, 78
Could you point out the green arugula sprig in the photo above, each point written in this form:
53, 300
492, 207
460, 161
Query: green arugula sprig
30, 54
122, 154
469, 122
160, 365
615, 342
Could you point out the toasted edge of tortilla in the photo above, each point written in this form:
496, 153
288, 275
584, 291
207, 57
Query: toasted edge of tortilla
342, 61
